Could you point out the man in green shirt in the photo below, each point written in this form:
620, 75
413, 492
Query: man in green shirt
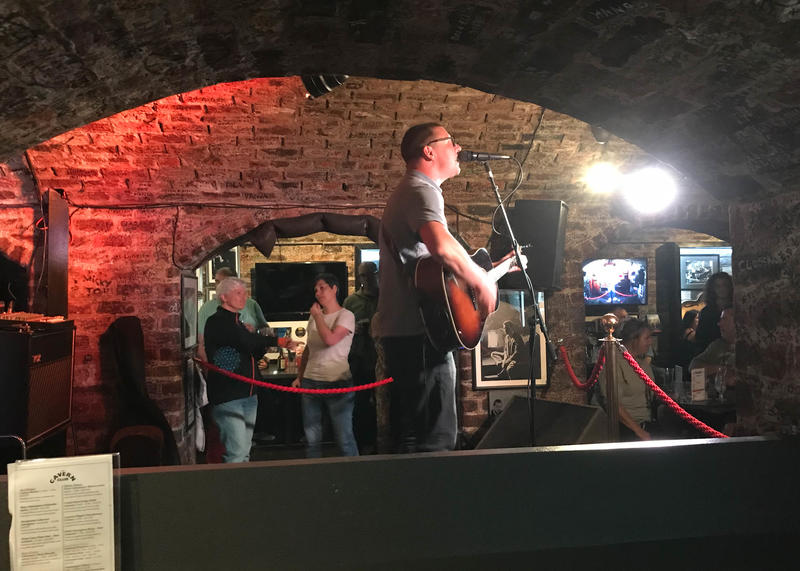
364, 303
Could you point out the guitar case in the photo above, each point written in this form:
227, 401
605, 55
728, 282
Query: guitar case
137, 407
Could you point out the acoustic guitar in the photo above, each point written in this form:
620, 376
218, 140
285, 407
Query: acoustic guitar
448, 306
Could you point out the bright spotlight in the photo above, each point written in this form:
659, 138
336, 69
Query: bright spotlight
602, 177
649, 190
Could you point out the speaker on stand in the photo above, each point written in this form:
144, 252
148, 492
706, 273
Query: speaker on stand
543, 225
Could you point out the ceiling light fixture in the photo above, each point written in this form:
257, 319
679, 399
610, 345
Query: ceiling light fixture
602, 177
319, 85
649, 190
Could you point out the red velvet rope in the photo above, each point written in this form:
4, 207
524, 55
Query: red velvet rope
599, 296
598, 366
675, 407
626, 294
211, 367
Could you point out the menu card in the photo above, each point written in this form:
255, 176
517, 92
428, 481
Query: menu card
62, 512
699, 384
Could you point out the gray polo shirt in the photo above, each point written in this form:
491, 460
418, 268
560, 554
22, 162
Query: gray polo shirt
416, 200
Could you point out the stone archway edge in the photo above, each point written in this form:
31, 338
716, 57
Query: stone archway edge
264, 236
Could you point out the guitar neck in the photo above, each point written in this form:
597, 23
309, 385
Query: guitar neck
501, 269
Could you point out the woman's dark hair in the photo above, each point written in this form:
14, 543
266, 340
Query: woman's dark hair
688, 318
632, 328
331, 280
710, 292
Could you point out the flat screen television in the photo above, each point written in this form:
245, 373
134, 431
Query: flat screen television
285, 291
615, 281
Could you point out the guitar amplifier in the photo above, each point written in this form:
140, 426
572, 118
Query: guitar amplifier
36, 364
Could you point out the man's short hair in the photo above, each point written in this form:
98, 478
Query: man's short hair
229, 284
414, 140
226, 272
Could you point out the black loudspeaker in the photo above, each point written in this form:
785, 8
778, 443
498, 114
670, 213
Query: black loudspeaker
668, 303
543, 225
36, 379
555, 423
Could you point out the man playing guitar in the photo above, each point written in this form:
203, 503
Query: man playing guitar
423, 408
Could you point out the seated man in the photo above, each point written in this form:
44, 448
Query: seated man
718, 358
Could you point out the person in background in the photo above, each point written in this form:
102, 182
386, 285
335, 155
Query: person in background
622, 316
718, 363
423, 403
686, 348
251, 315
324, 365
634, 410
363, 304
718, 293
718, 358
253, 319
232, 347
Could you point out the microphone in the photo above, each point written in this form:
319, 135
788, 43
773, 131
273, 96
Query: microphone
470, 156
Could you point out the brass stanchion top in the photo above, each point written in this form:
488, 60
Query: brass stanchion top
609, 322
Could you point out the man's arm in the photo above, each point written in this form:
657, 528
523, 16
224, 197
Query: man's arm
447, 251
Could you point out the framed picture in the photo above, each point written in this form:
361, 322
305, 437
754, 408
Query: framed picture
189, 390
696, 269
228, 259
502, 358
189, 310
499, 399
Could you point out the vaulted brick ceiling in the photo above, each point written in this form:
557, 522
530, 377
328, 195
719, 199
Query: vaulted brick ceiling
709, 87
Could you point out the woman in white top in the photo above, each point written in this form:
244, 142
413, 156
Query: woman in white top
324, 365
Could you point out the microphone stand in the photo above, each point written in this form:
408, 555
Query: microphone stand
537, 316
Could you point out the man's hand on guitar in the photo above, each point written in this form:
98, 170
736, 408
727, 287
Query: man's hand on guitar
486, 296
514, 267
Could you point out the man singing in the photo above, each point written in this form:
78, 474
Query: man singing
423, 408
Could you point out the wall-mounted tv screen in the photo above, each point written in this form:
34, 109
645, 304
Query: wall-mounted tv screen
615, 281
285, 291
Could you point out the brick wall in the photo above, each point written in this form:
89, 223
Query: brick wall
766, 298
154, 190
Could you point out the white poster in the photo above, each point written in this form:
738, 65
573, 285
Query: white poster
62, 512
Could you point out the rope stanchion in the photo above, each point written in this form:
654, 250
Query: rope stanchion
598, 366
675, 407
283, 388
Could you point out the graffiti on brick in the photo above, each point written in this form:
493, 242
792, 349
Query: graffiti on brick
785, 10
607, 9
94, 284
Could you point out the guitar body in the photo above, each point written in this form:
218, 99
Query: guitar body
448, 306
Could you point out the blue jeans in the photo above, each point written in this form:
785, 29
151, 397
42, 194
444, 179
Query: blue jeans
340, 409
236, 420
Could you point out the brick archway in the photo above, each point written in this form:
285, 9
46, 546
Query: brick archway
663, 76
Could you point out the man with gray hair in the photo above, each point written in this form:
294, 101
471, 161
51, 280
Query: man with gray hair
232, 347
252, 316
